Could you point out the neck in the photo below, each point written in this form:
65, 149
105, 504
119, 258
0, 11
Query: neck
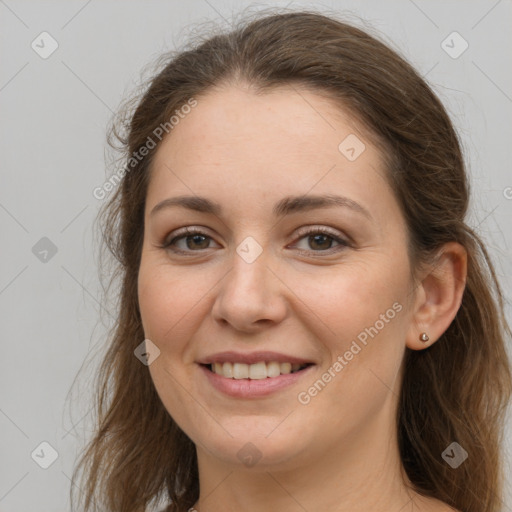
364, 473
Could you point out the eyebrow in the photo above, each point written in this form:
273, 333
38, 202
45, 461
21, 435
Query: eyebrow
286, 206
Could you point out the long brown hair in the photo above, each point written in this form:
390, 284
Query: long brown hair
457, 390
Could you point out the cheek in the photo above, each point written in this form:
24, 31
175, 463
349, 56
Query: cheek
360, 379
364, 323
353, 297
169, 301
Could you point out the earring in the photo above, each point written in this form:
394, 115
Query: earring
424, 337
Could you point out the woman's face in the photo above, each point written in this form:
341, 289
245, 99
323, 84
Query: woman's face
276, 278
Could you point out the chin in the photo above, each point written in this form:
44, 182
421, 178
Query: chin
256, 444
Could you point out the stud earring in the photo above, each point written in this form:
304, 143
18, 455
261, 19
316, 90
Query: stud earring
424, 337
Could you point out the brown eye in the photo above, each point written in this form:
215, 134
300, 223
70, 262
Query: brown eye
321, 240
196, 241
192, 240
318, 240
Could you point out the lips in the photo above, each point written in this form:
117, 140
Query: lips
250, 367
248, 388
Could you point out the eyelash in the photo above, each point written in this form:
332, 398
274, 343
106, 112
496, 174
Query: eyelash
303, 234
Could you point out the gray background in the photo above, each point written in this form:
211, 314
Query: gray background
54, 117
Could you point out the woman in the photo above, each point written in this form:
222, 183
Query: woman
305, 321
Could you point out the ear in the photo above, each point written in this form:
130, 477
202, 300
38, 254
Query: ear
438, 296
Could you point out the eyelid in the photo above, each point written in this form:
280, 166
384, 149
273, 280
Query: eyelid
342, 239
183, 233
314, 228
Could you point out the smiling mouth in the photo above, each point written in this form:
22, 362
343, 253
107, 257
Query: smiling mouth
258, 371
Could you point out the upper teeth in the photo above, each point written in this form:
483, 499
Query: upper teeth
259, 370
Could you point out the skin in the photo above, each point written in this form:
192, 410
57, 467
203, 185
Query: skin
246, 152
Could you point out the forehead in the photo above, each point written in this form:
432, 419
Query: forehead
285, 141
286, 117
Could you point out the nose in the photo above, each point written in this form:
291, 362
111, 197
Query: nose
251, 296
